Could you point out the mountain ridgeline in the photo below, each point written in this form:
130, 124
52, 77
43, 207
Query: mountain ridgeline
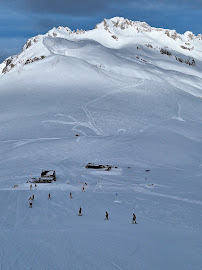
117, 34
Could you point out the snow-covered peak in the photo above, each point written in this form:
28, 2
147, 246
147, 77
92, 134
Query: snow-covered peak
115, 33
134, 27
119, 27
122, 23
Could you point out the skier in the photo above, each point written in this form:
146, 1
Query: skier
35, 186
134, 219
107, 216
70, 195
33, 197
30, 202
80, 214
49, 195
82, 188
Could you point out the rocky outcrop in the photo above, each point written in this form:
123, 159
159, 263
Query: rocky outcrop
9, 65
29, 61
164, 51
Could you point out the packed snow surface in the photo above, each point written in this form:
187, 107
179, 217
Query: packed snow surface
132, 94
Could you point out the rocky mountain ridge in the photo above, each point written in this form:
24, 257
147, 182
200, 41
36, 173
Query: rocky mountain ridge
115, 33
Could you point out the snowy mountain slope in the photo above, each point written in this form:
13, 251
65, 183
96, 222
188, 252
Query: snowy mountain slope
133, 106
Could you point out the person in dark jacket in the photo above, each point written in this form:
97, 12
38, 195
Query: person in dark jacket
30, 202
107, 216
134, 219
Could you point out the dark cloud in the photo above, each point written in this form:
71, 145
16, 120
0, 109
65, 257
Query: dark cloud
95, 7
69, 7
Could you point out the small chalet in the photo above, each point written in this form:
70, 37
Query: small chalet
98, 166
47, 176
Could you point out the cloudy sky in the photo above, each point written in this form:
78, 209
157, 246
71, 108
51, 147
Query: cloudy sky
22, 19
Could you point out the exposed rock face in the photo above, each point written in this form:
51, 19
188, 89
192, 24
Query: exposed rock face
186, 48
190, 61
9, 65
30, 42
164, 51
28, 61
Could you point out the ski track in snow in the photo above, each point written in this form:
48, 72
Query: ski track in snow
115, 266
32, 140
92, 122
142, 190
178, 116
89, 115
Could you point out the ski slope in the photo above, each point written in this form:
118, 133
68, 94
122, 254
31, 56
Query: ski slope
132, 107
